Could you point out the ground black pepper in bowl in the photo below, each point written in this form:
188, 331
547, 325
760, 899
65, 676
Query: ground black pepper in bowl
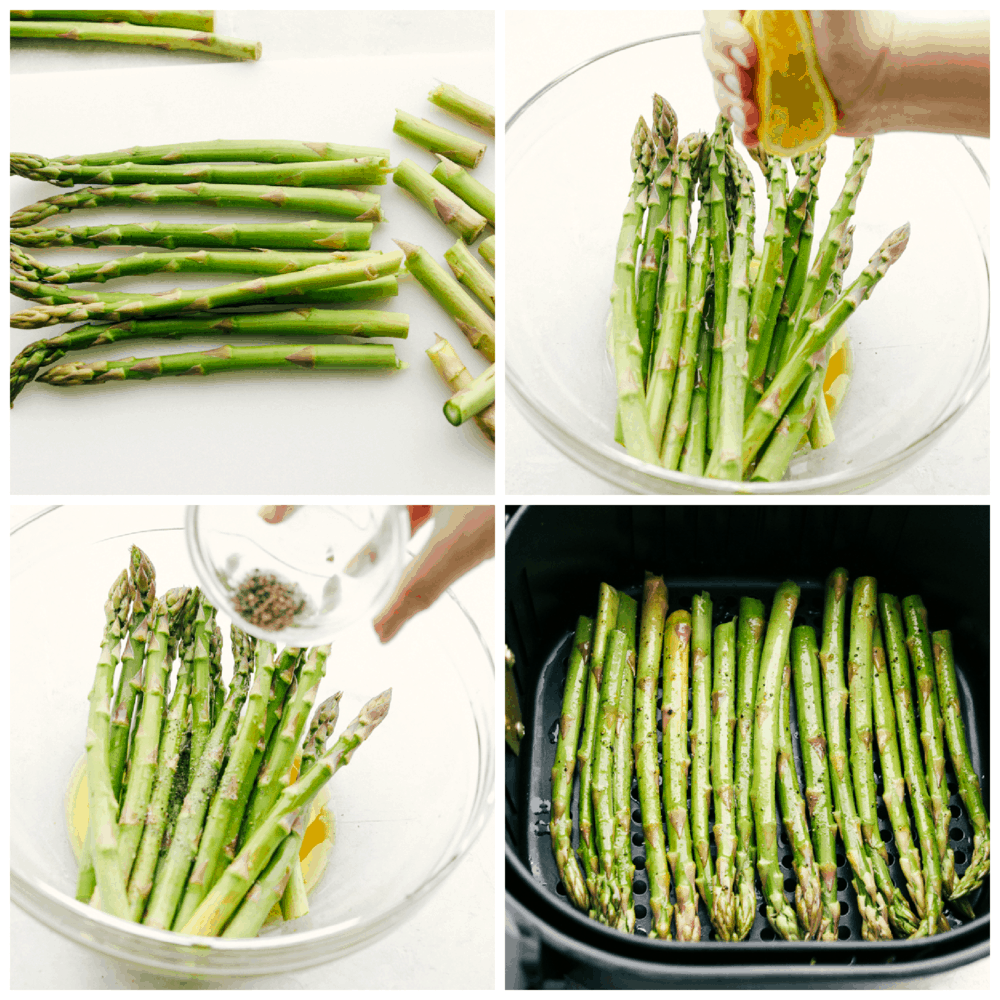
263, 600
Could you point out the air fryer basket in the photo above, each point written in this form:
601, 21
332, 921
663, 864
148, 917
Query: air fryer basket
555, 559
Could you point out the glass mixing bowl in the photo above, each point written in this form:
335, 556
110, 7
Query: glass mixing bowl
410, 804
920, 344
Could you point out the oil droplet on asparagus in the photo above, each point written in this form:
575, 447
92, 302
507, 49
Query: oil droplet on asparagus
317, 840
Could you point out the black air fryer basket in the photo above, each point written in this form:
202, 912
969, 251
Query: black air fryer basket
555, 559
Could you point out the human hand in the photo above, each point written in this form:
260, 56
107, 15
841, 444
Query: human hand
463, 538
731, 55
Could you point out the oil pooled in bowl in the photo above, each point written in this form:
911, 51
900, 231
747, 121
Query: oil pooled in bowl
314, 854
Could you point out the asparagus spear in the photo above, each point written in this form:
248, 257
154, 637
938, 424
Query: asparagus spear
874, 922
138, 306
623, 329
808, 892
672, 295
473, 399
893, 782
918, 642
287, 357
675, 768
607, 614
479, 329
765, 752
488, 250
622, 765
812, 739
654, 610
194, 20
456, 375
477, 113
472, 274
678, 417
360, 206
201, 713
214, 911
136, 34
461, 183
228, 151
269, 888
717, 169
909, 743
968, 781
723, 724
702, 739
804, 358
561, 822
750, 645
312, 235
100, 795
318, 174
463, 220
459, 148
695, 440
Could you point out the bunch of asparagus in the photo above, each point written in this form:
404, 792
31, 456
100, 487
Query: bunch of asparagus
720, 354
195, 820
739, 681
466, 207
316, 262
163, 29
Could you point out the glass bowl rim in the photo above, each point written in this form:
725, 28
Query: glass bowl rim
620, 468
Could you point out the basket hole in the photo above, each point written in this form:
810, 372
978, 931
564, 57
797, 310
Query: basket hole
637, 816
956, 811
560, 889
639, 887
841, 860
637, 839
767, 933
789, 885
886, 835
635, 790
639, 932
639, 862
762, 909
956, 833
843, 932
959, 857
845, 907
786, 861
640, 911
841, 883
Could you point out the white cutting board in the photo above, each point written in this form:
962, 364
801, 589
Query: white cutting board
239, 433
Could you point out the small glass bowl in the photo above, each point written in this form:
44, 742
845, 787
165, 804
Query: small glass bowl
920, 345
406, 810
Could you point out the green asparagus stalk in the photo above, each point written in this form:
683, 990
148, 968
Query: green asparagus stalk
723, 725
461, 183
604, 623
717, 168
313, 235
678, 417
463, 220
804, 359
702, 738
468, 109
479, 329
172, 873
269, 888
913, 768
449, 366
561, 822
654, 610
672, 295
201, 712
608, 892
664, 140
172, 738
623, 332
622, 765
100, 795
791, 429
146, 740
139, 306
359, 206
459, 148
765, 753
193, 20
472, 274
808, 891
675, 769
136, 34
893, 782
318, 174
918, 641
812, 739
282, 357
696, 439
874, 921
488, 250
473, 399
968, 781
217, 907
749, 646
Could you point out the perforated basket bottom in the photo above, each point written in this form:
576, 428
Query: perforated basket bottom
725, 600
